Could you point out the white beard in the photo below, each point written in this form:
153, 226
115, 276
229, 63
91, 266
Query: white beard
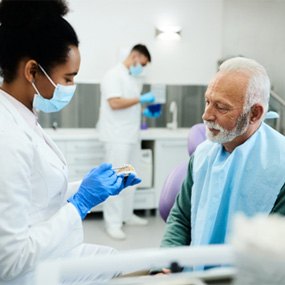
225, 136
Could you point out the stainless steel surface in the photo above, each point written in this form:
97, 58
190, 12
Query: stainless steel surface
83, 111
277, 98
277, 103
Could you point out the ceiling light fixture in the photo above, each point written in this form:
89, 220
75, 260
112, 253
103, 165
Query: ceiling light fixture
168, 33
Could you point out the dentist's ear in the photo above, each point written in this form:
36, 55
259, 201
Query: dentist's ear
30, 70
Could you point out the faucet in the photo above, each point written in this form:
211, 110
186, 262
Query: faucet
54, 125
173, 109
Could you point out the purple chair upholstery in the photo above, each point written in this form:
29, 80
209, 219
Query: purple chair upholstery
171, 187
197, 135
174, 181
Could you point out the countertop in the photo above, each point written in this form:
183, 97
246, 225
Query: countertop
90, 133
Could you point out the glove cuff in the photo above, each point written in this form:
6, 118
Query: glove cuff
82, 210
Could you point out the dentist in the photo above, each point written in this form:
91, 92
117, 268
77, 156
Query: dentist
41, 214
119, 128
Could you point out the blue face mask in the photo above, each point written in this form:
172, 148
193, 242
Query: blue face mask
136, 70
62, 95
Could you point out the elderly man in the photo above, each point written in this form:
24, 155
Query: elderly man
239, 169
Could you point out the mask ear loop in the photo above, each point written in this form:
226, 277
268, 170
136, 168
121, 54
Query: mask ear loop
47, 76
33, 84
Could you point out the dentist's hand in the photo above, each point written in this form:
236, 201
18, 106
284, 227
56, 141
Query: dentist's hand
147, 98
100, 183
130, 180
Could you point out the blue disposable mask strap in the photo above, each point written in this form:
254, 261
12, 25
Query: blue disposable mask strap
47, 76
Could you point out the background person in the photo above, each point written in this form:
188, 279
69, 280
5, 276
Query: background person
119, 128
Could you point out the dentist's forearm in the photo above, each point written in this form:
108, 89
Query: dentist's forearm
122, 103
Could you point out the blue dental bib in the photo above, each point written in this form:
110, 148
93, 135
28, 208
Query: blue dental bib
247, 181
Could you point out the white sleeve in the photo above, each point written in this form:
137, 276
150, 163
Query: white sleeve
111, 86
72, 189
22, 245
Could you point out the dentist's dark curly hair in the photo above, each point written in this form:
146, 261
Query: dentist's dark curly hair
33, 29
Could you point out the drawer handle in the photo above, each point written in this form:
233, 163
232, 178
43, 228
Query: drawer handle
89, 160
88, 147
174, 145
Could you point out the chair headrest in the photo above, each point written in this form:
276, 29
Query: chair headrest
197, 135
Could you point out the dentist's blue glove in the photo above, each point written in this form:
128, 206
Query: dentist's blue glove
131, 180
100, 183
153, 115
147, 98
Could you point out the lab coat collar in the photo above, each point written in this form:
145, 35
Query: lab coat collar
54, 147
35, 138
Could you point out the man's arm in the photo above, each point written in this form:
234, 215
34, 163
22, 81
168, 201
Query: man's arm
113, 92
279, 206
178, 227
118, 103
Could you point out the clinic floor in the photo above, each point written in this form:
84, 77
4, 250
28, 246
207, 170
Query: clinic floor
137, 236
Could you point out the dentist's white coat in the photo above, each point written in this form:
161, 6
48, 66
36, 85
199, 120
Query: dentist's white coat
36, 222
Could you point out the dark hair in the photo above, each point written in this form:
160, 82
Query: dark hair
143, 50
33, 29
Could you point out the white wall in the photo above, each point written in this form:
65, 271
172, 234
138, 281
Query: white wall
256, 29
106, 26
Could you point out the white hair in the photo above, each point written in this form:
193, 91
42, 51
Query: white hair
258, 90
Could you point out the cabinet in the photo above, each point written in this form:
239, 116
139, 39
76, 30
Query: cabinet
168, 154
82, 156
83, 151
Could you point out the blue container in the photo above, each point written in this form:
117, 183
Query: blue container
154, 108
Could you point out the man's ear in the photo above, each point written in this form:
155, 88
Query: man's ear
30, 70
257, 111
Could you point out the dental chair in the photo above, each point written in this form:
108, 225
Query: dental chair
174, 181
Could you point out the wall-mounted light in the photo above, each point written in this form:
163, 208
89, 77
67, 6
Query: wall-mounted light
168, 33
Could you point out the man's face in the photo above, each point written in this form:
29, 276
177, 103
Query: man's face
224, 110
139, 59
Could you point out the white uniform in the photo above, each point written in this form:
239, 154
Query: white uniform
119, 130
36, 222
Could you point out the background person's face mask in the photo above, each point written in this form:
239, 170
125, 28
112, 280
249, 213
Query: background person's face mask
62, 95
136, 70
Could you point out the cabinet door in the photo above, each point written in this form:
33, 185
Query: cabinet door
82, 146
168, 154
82, 156
85, 158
